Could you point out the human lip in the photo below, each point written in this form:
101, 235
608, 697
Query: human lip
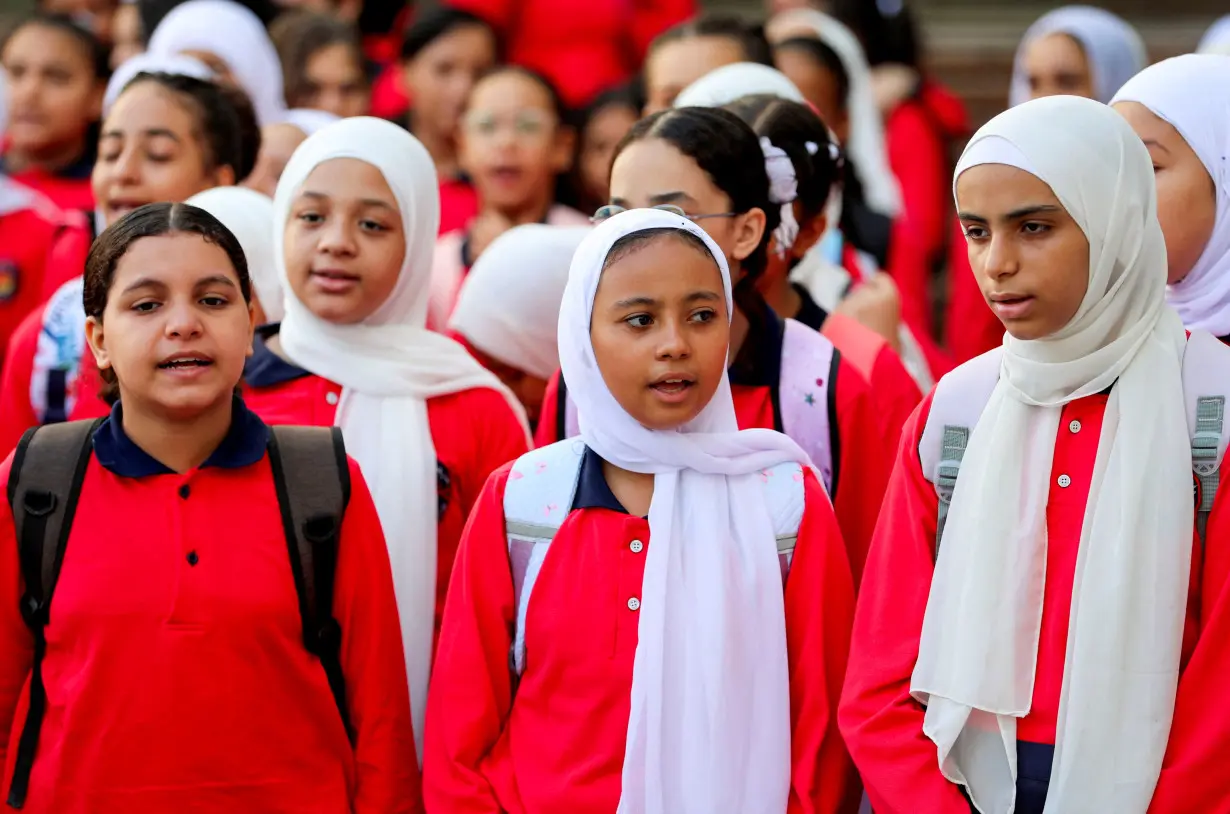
1011, 306
333, 281
186, 364
122, 206
672, 388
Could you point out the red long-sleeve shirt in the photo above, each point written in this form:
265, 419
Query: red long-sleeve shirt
882, 724
560, 746
862, 455
176, 675
474, 432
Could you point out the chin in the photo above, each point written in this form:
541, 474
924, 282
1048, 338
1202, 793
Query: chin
1027, 331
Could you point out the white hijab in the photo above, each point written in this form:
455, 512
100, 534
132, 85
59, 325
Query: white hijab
237, 37
509, 303
977, 655
1113, 48
309, 120
177, 64
388, 366
1192, 94
865, 146
1217, 39
723, 85
249, 216
709, 730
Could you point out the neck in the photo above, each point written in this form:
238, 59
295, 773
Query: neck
633, 490
179, 444
739, 327
782, 297
50, 160
441, 148
533, 211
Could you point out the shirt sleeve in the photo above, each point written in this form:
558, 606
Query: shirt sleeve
372, 662
16, 412
896, 392
16, 642
498, 437
819, 615
1193, 774
863, 466
471, 689
548, 419
881, 722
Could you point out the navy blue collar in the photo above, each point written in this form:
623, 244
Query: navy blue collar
265, 368
810, 313
759, 361
593, 492
243, 445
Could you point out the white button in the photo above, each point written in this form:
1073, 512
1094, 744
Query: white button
1075, 426
331, 397
1064, 481
634, 604
637, 546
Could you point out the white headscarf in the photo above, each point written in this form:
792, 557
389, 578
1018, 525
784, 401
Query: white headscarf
509, 303
1217, 39
238, 38
865, 145
309, 120
977, 656
709, 729
1114, 50
723, 85
388, 366
1192, 94
177, 64
249, 216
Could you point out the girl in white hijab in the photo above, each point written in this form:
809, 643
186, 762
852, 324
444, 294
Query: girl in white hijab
710, 700
508, 309
233, 43
1180, 108
249, 216
1033, 663
355, 219
1076, 51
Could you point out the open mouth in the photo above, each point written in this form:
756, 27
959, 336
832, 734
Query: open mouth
673, 386
185, 363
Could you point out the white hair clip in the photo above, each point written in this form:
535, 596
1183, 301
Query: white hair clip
783, 190
812, 147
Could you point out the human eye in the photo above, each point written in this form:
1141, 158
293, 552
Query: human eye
639, 320
1031, 227
974, 232
215, 301
369, 225
310, 217
704, 315
145, 306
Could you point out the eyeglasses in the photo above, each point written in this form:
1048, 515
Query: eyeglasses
525, 125
611, 210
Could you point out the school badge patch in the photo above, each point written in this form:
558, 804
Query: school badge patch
8, 281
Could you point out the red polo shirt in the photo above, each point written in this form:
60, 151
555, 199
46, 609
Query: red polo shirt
176, 675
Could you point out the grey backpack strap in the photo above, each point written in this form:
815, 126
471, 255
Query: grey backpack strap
44, 483
952, 450
312, 479
1210, 419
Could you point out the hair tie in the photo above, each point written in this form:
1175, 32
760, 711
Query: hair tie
784, 191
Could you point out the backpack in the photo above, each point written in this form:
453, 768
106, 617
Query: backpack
805, 404
538, 498
961, 396
311, 477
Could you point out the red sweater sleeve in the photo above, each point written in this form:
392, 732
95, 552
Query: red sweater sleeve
819, 614
863, 466
372, 662
471, 692
1193, 773
16, 643
16, 412
548, 420
881, 722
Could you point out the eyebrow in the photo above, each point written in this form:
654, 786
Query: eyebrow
151, 132
150, 282
647, 301
631, 302
216, 279
307, 193
144, 282
1152, 142
1016, 214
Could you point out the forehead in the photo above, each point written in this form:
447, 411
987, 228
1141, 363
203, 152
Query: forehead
147, 105
468, 39
654, 166
31, 42
639, 271
1055, 52
348, 179
176, 258
1147, 124
682, 62
989, 190
509, 90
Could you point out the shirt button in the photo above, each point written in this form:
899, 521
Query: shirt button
1064, 481
1075, 426
184, 491
192, 558
637, 546
634, 604
331, 397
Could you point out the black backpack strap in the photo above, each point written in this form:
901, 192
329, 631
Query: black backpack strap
44, 484
312, 479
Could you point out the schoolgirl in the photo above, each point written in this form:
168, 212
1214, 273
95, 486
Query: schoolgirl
322, 63
56, 72
1075, 51
171, 672
709, 165
233, 43
354, 221
446, 51
650, 669
1042, 619
803, 164
605, 123
168, 137
507, 313
1180, 108
515, 143
685, 53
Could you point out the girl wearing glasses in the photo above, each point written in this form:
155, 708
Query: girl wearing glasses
515, 143
708, 165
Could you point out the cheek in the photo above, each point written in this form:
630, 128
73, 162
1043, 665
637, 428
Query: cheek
617, 360
297, 250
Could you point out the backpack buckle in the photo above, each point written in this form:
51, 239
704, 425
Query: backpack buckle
33, 612
38, 503
320, 529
